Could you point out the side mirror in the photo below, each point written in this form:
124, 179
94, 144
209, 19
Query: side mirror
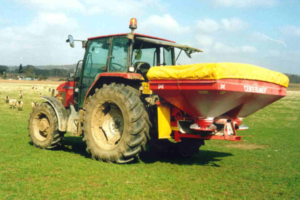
138, 54
71, 41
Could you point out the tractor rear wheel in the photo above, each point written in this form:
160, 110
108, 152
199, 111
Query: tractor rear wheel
115, 125
43, 127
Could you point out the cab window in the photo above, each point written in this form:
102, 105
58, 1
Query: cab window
167, 53
95, 61
119, 55
152, 54
147, 55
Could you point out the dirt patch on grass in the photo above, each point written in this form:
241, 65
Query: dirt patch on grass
246, 146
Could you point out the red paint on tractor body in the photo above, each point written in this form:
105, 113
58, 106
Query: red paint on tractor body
130, 76
234, 138
226, 136
66, 91
230, 98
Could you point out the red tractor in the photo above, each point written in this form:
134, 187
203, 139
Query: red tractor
117, 110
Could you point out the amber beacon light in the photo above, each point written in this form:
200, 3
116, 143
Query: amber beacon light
133, 23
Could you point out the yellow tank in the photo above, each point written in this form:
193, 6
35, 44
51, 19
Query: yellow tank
216, 71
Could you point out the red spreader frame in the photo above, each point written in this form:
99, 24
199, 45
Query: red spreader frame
231, 137
206, 102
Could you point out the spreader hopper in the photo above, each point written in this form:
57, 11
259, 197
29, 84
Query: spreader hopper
219, 92
214, 98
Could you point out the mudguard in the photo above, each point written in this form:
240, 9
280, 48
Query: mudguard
111, 75
60, 111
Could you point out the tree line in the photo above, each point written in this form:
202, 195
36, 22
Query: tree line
32, 72
3, 68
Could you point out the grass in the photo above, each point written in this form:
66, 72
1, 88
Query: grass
265, 166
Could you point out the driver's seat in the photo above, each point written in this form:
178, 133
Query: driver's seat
142, 68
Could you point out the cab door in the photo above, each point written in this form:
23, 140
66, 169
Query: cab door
77, 83
95, 63
119, 55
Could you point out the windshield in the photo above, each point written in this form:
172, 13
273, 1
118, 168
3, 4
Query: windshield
152, 54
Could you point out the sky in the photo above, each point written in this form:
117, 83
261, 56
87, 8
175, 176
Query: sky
265, 33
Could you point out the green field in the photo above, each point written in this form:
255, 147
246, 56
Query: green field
265, 166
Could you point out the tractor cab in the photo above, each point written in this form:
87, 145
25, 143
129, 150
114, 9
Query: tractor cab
122, 53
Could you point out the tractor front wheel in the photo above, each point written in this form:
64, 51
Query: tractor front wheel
115, 124
43, 127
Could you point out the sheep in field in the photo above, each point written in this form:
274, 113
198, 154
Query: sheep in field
12, 103
21, 95
20, 105
6, 99
33, 104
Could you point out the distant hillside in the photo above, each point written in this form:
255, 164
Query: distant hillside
41, 71
67, 67
65, 70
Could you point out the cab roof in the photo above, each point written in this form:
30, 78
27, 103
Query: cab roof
137, 34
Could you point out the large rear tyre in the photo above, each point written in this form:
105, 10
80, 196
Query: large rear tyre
115, 124
43, 127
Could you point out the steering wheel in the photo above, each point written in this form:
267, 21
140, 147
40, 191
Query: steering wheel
114, 68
